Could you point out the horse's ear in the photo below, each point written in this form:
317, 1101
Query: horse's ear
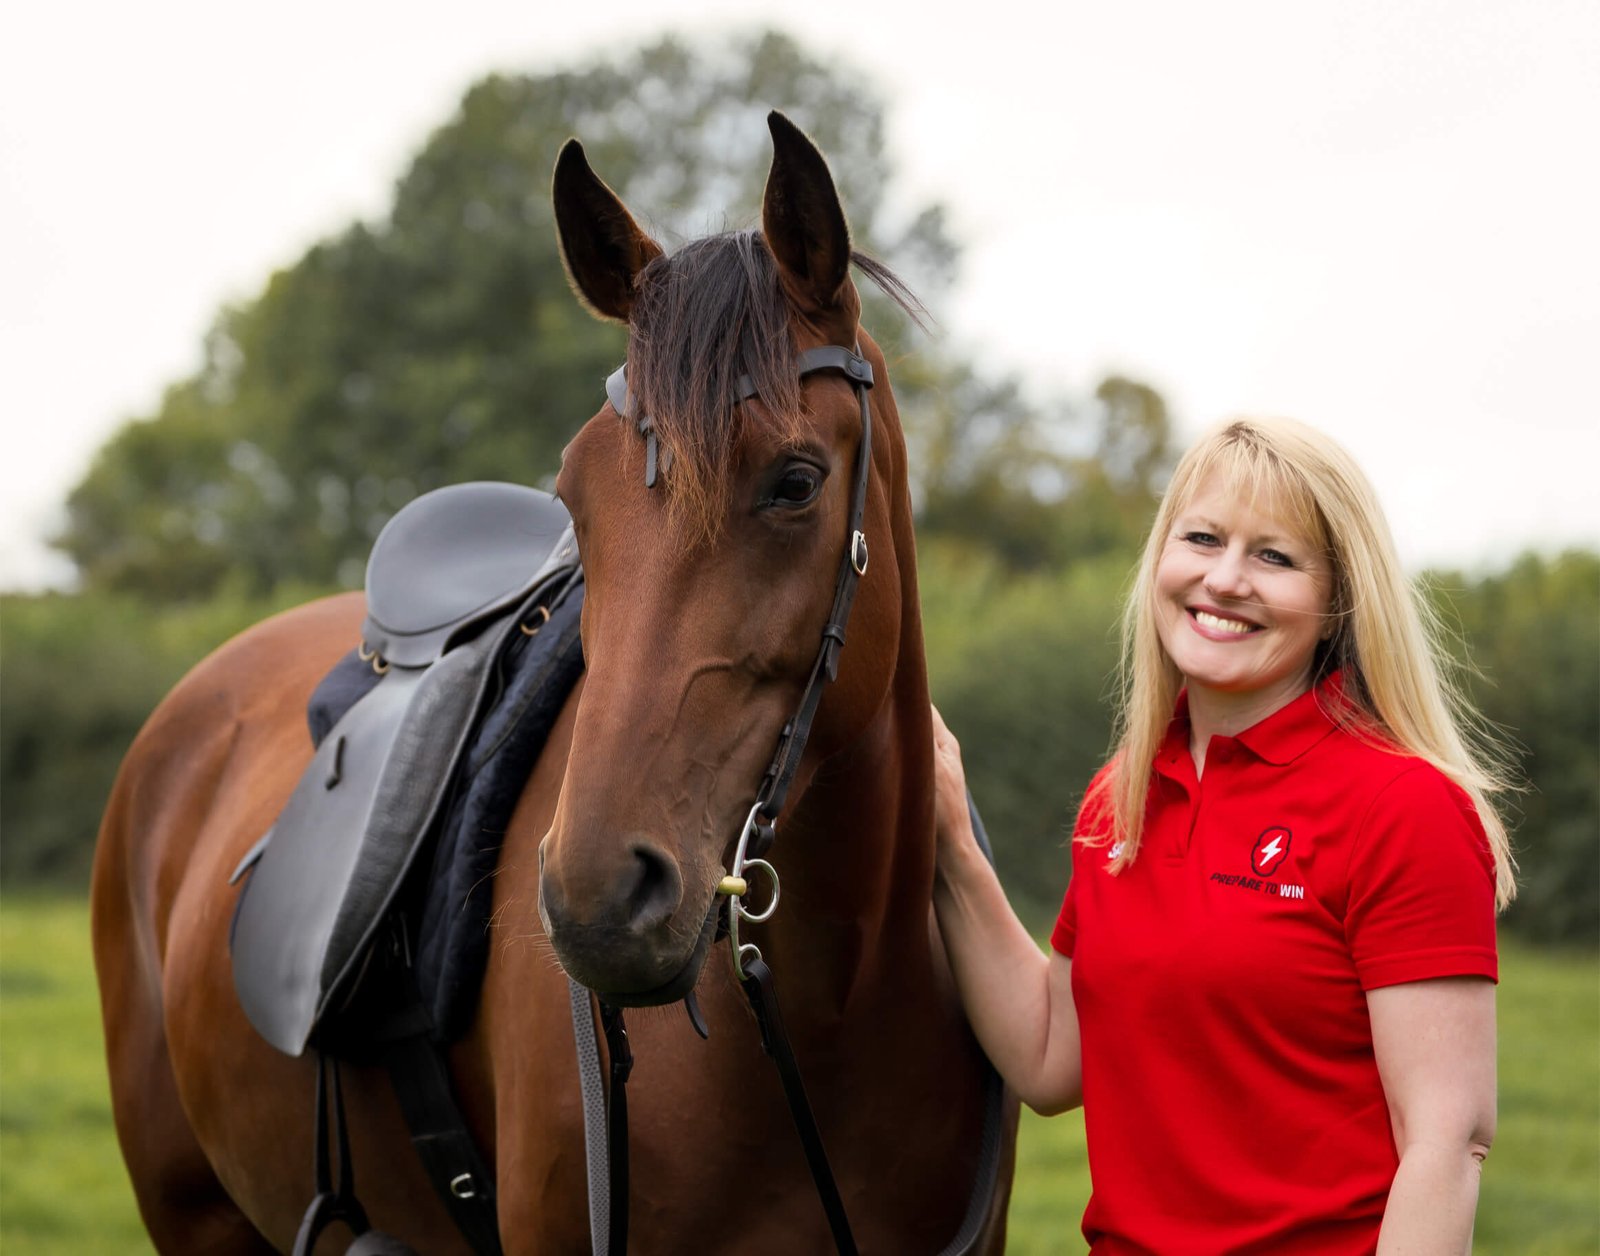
602, 247
803, 220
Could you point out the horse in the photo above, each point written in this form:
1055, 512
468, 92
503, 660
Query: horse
708, 580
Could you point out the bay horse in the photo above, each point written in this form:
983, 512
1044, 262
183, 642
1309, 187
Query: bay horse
705, 596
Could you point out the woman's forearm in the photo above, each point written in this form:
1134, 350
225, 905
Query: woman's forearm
1433, 1202
1013, 993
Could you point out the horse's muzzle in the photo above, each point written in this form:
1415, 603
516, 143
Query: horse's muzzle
622, 928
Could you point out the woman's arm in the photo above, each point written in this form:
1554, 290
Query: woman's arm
1435, 1045
1019, 1001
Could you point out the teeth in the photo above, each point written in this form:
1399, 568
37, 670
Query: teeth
1217, 624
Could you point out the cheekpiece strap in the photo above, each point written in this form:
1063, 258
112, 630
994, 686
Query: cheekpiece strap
792, 741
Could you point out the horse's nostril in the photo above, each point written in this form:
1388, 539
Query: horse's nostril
657, 888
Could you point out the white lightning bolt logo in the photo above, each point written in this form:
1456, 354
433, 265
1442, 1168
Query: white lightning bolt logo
1271, 849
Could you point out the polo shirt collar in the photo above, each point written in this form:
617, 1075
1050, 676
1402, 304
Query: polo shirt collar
1292, 730
1279, 739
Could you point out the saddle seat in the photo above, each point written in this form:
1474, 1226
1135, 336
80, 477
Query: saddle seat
455, 557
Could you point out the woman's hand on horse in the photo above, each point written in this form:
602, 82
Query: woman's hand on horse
952, 822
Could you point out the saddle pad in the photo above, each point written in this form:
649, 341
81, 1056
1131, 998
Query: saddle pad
351, 679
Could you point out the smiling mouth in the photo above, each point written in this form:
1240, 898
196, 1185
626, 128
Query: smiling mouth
1216, 623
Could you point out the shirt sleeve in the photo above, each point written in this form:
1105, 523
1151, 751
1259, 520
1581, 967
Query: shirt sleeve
1422, 885
1065, 934
1091, 818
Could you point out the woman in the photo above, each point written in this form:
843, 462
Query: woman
1271, 981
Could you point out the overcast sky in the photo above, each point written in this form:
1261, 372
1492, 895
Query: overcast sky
1375, 215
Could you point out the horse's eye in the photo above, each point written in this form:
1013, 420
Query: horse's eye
797, 486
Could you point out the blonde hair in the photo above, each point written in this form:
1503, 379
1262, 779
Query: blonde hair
1385, 638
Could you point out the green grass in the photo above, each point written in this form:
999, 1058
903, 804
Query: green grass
63, 1190
62, 1185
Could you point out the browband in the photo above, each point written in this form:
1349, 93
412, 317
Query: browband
824, 358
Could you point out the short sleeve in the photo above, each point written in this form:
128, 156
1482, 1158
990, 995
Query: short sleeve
1422, 885
1092, 816
1065, 934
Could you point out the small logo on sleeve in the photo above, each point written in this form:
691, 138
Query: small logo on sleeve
1269, 852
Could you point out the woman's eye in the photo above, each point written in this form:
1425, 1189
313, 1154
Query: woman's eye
1200, 538
1277, 558
797, 486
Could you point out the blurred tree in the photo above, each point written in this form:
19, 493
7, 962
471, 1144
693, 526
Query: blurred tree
1021, 667
443, 344
1040, 487
80, 674
1530, 637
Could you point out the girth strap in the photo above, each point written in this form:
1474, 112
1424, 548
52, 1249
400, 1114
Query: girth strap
443, 1143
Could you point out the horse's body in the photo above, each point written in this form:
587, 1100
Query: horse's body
698, 638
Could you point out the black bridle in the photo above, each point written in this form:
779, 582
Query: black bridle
755, 841
792, 741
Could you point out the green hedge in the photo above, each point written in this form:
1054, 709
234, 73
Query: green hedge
1021, 667
79, 674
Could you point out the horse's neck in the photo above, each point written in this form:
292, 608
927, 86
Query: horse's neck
856, 856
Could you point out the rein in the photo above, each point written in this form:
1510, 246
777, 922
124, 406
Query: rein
754, 842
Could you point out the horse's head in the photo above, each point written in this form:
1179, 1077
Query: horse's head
712, 545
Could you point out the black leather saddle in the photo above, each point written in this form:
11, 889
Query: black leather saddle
455, 577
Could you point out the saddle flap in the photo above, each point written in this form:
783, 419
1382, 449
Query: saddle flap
346, 838
455, 556
288, 908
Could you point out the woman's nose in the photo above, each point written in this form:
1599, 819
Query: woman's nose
1226, 577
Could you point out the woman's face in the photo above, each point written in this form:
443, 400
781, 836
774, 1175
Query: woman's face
1242, 599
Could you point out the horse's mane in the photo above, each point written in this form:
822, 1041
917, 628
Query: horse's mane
702, 317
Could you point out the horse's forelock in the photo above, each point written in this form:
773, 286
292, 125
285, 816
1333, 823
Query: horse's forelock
704, 316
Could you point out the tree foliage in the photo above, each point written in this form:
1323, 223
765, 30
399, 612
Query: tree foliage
1021, 668
443, 344
80, 674
1530, 639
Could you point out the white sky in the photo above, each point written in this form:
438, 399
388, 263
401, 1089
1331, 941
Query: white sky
1380, 216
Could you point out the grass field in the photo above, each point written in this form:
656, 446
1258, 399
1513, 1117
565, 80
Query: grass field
62, 1188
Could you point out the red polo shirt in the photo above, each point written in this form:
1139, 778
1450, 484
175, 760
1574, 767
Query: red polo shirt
1230, 1093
